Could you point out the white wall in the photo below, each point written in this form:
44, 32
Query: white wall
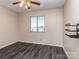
9, 27
53, 27
71, 15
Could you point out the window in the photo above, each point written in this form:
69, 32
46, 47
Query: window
37, 24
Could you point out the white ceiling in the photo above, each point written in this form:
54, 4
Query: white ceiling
45, 4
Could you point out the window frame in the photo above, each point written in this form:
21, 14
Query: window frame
37, 25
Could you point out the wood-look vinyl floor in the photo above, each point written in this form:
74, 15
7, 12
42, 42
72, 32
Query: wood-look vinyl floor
22, 50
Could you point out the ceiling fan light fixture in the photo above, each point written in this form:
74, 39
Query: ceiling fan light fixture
21, 3
26, 6
25, 3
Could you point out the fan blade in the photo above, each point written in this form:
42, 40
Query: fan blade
16, 3
33, 2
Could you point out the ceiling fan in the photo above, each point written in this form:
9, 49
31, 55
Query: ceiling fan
25, 3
